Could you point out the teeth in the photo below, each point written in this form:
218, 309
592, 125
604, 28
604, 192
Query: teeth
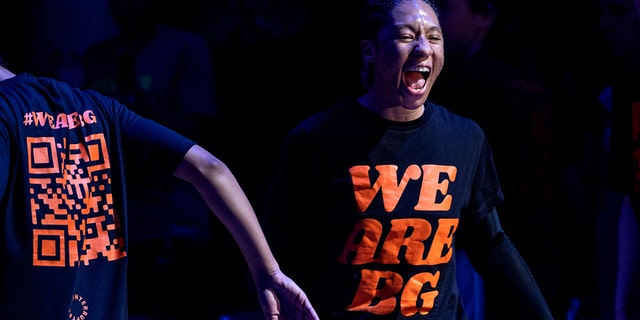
420, 69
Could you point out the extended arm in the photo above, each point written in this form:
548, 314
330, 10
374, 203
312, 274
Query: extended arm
280, 297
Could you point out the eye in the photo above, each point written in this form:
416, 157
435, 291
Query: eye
434, 38
435, 35
405, 37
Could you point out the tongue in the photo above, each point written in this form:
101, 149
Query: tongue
414, 79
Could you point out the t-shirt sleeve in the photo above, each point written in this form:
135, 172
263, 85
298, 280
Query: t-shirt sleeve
147, 144
487, 192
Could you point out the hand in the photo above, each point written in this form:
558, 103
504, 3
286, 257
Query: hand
282, 299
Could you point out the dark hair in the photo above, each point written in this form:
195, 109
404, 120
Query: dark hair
482, 5
374, 14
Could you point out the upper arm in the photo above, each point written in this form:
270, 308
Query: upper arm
187, 168
479, 234
198, 165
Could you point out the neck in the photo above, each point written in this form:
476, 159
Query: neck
5, 74
394, 111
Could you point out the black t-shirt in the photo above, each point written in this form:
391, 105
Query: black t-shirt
363, 211
63, 242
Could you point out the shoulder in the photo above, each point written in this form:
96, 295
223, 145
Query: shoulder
21, 78
444, 123
451, 118
24, 88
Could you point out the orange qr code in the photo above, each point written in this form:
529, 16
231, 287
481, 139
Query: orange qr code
72, 212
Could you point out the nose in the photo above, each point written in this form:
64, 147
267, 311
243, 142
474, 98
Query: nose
422, 47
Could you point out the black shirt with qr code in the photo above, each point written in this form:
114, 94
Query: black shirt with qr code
63, 224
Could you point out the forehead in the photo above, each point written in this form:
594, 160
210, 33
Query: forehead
414, 10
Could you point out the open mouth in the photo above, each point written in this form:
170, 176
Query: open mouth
416, 78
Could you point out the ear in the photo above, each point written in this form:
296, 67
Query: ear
367, 50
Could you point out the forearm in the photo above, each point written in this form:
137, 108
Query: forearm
503, 268
509, 273
235, 211
280, 297
219, 188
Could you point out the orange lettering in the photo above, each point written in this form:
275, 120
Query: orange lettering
40, 118
412, 301
387, 182
376, 292
441, 250
89, 117
431, 185
377, 289
74, 120
409, 233
362, 242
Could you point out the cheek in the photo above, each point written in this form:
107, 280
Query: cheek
435, 73
390, 71
438, 54
391, 56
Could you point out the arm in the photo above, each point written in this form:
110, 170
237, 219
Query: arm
280, 297
495, 257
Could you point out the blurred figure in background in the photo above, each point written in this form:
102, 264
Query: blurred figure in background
67, 67
620, 27
490, 73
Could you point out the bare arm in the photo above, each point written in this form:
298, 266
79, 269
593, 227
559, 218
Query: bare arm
280, 297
